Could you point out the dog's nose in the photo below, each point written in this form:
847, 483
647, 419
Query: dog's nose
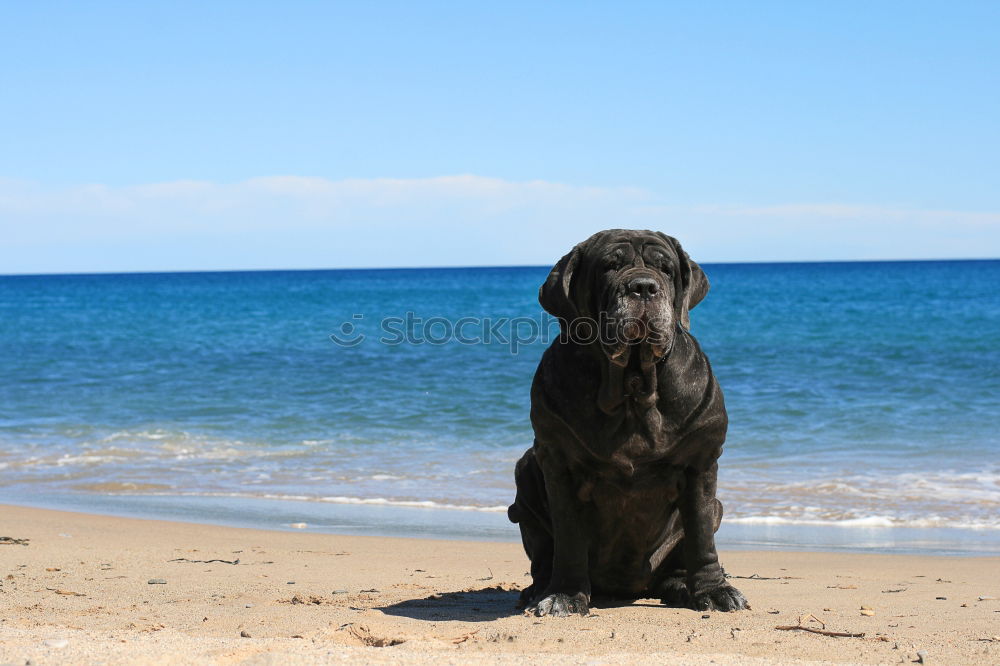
643, 287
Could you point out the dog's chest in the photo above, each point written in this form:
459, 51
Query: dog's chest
632, 439
630, 486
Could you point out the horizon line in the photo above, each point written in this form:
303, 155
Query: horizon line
198, 271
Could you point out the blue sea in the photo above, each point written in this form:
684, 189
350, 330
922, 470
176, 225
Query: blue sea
864, 399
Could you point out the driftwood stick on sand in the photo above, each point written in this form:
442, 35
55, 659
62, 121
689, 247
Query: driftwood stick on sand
184, 559
822, 632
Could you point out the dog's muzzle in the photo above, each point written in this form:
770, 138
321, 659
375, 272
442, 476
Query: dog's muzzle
638, 315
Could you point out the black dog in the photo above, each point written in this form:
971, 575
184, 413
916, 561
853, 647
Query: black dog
617, 496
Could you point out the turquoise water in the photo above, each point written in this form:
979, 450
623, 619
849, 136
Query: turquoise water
861, 396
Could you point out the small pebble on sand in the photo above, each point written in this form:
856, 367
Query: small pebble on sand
55, 642
156, 581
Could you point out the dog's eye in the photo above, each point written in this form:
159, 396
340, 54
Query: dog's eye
614, 260
661, 261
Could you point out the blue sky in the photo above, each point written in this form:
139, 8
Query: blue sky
179, 136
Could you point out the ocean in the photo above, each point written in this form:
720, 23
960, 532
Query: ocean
863, 399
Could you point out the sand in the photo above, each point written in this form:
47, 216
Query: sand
87, 589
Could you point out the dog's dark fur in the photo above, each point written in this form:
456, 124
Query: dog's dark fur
617, 496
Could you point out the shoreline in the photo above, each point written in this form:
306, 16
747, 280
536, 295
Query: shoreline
391, 520
86, 587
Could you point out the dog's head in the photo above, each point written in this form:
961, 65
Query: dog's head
629, 287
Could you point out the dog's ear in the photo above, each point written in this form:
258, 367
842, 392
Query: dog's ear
554, 294
690, 287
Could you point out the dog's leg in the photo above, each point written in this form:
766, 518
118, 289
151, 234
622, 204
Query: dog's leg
670, 573
530, 512
568, 590
540, 544
700, 513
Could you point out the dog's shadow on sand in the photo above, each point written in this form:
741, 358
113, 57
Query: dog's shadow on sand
491, 603
485, 605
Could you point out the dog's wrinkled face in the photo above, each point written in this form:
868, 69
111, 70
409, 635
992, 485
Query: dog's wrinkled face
636, 286
633, 292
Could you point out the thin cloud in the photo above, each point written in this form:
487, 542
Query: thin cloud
847, 211
302, 222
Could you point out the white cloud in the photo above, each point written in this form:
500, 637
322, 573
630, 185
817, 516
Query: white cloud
300, 222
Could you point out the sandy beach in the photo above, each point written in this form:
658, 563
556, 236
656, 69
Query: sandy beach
80, 588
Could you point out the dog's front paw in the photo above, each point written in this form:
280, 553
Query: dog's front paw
725, 597
561, 605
